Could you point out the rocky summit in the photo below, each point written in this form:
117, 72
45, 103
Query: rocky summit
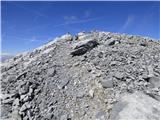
88, 76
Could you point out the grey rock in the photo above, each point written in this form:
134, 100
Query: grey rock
101, 115
83, 48
24, 107
136, 106
150, 71
81, 94
91, 93
63, 83
111, 42
64, 117
21, 75
51, 72
143, 44
16, 103
155, 81
65, 79
23, 89
119, 75
108, 83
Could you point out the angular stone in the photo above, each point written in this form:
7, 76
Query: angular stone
101, 115
144, 44
63, 83
24, 89
119, 75
16, 103
107, 83
150, 71
51, 72
24, 107
111, 42
79, 51
81, 93
21, 75
82, 48
155, 81
64, 117
91, 93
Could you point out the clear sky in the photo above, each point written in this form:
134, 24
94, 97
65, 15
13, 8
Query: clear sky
27, 25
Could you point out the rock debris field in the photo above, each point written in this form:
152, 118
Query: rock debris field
88, 76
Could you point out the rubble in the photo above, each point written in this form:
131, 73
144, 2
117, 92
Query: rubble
89, 76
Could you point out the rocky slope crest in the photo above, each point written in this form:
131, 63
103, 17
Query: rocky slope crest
90, 76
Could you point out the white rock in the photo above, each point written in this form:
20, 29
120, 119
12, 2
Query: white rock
136, 106
91, 93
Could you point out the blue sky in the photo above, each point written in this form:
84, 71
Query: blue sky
27, 25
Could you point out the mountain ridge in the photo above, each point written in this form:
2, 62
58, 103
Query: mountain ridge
87, 76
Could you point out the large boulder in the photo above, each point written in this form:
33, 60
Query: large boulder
136, 106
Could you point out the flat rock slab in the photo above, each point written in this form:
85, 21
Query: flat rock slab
136, 106
82, 47
107, 83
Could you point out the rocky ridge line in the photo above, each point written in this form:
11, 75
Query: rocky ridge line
90, 76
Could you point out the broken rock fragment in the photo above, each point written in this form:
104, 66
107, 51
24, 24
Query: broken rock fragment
119, 75
111, 42
51, 72
155, 81
63, 83
107, 83
83, 47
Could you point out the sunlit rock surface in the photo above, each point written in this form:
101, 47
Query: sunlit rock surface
88, 76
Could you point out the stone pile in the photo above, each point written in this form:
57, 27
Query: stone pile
90, 76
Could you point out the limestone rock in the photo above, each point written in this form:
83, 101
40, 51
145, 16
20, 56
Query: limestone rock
136, 106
